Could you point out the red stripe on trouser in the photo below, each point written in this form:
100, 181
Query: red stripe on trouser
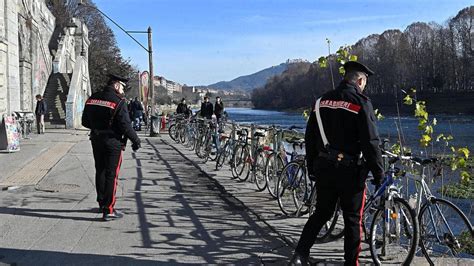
112, 204
360, 226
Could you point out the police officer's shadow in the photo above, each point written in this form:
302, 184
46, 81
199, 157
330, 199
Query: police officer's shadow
54, 213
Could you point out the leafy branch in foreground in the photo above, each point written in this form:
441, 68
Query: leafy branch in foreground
458, 156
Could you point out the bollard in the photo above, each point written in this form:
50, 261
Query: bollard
163, 123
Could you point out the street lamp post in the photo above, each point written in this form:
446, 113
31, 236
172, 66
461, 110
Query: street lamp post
150, 57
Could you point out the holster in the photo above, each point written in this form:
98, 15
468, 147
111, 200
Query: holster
340, 158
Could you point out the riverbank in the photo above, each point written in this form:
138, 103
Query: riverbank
438, 103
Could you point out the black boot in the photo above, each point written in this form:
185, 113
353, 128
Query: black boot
299, 259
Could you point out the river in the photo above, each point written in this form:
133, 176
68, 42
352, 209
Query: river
460, 127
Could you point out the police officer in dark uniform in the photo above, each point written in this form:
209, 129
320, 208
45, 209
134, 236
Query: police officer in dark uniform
106, 114
340, 163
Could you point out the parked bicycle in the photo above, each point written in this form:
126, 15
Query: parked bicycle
445, 231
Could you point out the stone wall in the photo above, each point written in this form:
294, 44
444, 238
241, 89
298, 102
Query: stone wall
26, 27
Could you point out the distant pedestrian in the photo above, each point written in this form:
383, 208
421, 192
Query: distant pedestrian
40, 111
137, 114
182, 107
106, 114
219, 109
206, 108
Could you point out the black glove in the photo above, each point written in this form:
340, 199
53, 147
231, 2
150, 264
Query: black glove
136, 146
312, 177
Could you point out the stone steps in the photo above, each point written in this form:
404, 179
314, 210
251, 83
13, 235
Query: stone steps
55, 96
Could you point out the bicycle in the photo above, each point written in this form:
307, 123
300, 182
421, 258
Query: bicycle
229, 146
394, 230
250, 158
445, 231
25, 122
292, 188
277, 159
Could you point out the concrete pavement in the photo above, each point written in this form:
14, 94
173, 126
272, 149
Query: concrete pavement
177, 211
174, 213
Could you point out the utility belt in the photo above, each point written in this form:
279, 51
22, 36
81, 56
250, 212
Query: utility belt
341, 158
105, 133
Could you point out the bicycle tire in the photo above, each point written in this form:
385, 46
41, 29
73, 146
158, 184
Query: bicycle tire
237, 150
326, 232
244, 165
172, 132
413, 234
464, 234
259, 171
287, 183
222, 156
273, 169
182, 135
213, 149
329, 230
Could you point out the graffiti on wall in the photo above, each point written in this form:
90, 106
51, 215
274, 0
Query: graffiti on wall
41, 74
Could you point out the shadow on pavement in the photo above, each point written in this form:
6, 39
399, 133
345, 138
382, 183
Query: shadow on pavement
41, 257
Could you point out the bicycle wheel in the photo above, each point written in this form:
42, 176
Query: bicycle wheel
302, 193
222, 156
327, 229
273, 169
259, 171
446, 235
289, 182
334, 227
201, 147
233, 160
394, 234
213, 149
172, 132
243, 163
182, 134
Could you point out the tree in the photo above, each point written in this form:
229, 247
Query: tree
104, 55
431, 57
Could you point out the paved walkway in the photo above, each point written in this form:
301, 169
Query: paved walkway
177, 211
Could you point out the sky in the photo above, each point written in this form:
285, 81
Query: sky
200, 42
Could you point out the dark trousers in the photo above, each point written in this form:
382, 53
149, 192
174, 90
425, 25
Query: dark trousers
333, 185
108, 158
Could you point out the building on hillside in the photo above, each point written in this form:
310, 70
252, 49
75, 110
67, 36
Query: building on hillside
173, 87
159, 81
170, 86
188, 89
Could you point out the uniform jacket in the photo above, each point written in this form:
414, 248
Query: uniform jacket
106, 111
40, 107
207, 110
349, 124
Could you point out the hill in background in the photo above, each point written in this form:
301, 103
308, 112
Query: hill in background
256, 80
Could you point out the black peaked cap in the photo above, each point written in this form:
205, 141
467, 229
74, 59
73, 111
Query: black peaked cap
117, 78
356, 66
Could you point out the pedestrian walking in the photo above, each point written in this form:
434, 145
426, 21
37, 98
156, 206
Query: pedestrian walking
40, 111
342, 145
106, 114
206, 108
219, 109
137, 114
